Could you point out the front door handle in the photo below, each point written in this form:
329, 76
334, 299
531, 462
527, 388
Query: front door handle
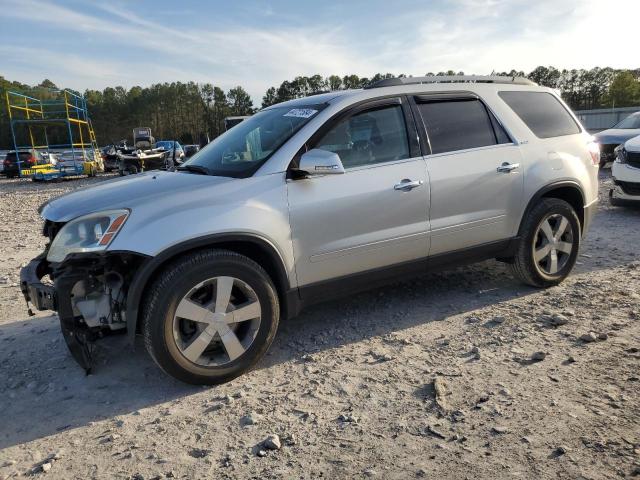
507, 167
406, 185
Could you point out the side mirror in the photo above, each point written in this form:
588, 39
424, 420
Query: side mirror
320, 162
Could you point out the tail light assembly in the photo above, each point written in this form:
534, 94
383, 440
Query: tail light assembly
594, 151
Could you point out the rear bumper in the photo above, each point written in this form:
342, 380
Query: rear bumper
589, 212
10, 171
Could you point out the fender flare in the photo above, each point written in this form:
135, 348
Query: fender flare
153, 264
545, 190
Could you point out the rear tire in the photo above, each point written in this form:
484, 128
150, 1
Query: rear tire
234, 325
549, 244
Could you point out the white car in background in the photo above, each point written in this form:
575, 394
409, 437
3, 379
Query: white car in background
625, 173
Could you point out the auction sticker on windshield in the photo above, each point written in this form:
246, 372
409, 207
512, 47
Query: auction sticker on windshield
301, 112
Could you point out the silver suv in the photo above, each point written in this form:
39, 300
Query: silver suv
314, 198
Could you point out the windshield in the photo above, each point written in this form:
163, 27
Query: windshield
632, 121
240, 151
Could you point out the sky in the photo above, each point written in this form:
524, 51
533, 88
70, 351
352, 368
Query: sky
84, 44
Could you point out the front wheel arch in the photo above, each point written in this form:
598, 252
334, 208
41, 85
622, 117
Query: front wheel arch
254, 247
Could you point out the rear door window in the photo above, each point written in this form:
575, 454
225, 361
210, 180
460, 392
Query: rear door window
543, 113
459, 124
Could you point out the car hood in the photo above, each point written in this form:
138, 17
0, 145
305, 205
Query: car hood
633, 145
128, 192
616, 135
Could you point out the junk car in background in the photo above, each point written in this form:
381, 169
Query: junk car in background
618, 134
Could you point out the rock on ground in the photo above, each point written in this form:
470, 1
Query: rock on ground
348, 386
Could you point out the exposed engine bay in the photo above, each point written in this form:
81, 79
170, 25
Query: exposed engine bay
88, 291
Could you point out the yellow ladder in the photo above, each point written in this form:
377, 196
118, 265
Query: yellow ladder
92, 135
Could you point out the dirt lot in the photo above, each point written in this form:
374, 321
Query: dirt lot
462, 374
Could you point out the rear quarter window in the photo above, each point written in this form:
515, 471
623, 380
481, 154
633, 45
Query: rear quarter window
458, 124
543, 113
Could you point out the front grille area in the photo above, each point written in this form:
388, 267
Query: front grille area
630, 188
633, 159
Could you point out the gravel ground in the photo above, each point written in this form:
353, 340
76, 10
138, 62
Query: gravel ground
461, 374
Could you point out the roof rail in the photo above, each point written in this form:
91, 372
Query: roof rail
392, 82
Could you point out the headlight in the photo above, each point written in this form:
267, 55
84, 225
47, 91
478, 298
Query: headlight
90, 233
620, 153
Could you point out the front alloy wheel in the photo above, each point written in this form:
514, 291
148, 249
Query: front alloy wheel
216, 321
210, 316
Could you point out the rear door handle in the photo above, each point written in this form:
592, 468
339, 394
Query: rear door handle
507, 167
406, 185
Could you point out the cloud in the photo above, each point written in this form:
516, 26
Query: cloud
112, 45
523, 35
255, 58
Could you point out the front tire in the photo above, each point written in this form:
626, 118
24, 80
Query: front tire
210, 316
613, 201
549, 244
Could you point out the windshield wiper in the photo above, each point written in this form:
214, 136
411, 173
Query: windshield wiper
195, 169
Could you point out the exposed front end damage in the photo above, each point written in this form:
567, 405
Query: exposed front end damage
89, 292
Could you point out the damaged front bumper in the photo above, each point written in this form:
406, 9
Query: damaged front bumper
41, 295
89, 294
77, 336
625, 190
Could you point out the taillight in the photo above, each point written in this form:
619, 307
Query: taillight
594, 151
31, 160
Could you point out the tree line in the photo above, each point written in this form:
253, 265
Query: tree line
195, 112
581, 89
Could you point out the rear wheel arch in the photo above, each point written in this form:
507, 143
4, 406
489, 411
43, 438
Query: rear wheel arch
252, 246
568, 191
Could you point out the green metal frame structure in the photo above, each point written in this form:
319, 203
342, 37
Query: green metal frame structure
35, 115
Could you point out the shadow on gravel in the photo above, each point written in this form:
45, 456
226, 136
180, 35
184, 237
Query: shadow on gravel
45, 391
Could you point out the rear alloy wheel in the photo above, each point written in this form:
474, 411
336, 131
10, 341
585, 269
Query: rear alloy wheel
549, 244
553, 244
218, 319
